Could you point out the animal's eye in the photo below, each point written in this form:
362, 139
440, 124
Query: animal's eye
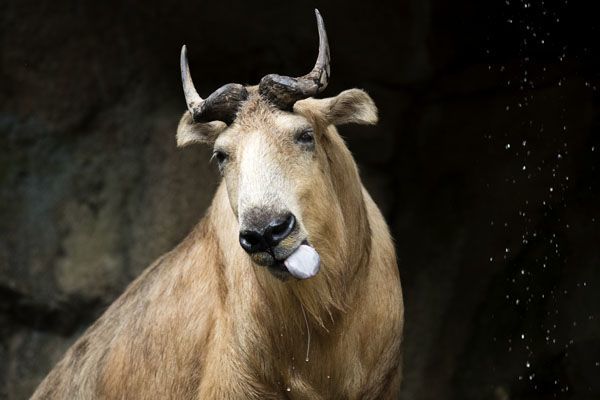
307, 136
220, 156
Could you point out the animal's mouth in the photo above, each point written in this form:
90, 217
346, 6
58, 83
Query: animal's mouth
278, 269
302, 263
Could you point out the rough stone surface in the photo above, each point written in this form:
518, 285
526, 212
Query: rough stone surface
485, 165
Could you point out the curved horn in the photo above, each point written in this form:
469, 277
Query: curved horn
192, 98
221, 105
284, 91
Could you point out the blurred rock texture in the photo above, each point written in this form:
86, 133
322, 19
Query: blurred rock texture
485, 164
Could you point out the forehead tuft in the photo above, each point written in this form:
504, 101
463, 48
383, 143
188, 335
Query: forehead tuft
259, 115
255, 111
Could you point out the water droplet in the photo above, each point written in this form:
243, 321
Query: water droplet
288, 389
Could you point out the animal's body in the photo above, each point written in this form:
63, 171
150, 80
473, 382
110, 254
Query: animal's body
215, 320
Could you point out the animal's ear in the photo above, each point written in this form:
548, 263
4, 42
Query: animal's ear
190, 132
352, 106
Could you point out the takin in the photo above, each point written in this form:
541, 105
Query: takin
288, 288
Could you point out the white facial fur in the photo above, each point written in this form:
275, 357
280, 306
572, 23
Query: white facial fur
264, 163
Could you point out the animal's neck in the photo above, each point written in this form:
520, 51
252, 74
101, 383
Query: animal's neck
349, 191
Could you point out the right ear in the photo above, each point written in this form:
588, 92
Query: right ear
190, 132
353, 106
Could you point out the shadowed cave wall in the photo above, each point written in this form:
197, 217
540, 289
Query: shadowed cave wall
485, 164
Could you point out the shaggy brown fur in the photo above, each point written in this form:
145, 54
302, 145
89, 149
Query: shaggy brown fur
204, 322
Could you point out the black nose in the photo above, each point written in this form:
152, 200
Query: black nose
263, 237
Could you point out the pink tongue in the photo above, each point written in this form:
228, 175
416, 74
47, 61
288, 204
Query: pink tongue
303, 263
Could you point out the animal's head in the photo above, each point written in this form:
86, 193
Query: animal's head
273, 144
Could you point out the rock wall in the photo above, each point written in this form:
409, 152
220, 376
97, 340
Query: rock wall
485, 164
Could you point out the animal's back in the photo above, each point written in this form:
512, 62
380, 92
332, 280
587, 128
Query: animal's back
151, 342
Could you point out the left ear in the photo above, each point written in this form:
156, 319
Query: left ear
352, 106
190, 132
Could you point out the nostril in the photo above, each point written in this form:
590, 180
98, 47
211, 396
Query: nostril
252, 241
279, 229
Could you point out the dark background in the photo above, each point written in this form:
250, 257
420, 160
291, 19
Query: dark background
485, 164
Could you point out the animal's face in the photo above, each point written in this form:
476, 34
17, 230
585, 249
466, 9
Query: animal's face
275, 169
278, 174
274, 162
